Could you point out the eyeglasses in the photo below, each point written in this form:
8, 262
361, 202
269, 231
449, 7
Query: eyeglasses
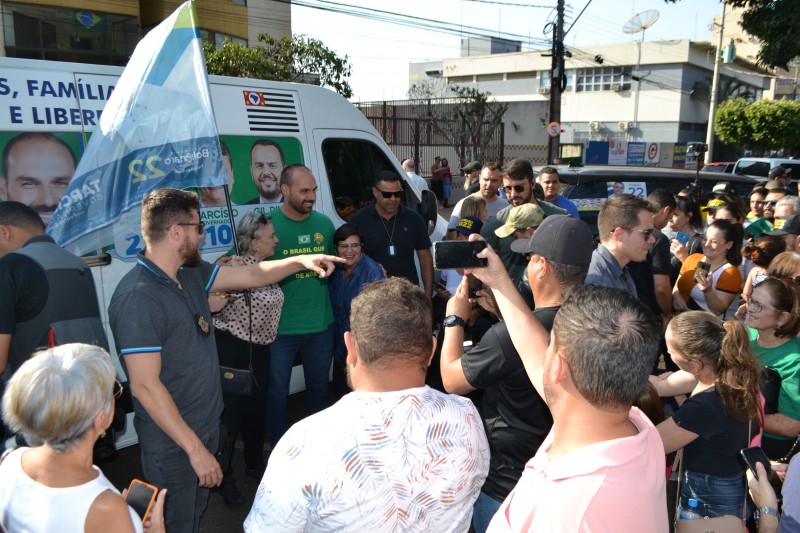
117, 390
352, 246
770, 202
646, 233
757, 307
515, 188
199, 225
389, 194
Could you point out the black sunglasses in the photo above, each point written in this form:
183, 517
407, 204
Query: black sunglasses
199, 225
515, 188
389, 194
646, 233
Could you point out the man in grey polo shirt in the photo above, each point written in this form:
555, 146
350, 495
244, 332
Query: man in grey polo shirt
626, 230
161, 322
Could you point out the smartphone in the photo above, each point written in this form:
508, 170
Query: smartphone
702, 266
458, 254
755, 455
682, 237
140, 497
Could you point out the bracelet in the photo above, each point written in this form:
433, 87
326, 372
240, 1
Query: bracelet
766, 510
222, 295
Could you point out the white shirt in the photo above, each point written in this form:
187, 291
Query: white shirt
418, 180
410, 460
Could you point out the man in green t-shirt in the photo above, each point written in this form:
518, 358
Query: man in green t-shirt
306, 324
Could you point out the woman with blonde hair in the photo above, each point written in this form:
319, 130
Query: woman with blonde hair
61, 400
474, 206
720, 418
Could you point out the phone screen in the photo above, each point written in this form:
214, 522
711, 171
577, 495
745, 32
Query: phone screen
140, 497
458, 254
755, 455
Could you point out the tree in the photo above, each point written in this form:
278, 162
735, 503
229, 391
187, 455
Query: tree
762, 125
299, 58
464, 117
774, 22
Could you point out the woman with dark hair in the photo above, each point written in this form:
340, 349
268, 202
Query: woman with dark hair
244, 329
719, 419
773, 321
716, 288
686, 218
447, 182
345, 284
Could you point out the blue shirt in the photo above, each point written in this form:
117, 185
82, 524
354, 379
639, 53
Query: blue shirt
605, 270
569, 205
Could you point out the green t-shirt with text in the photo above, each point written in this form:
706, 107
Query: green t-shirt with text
307, 302
785, 359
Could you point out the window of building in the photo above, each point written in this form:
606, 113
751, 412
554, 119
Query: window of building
490, 77
604, 79
460, 79
529, 75
544, 79
62, 34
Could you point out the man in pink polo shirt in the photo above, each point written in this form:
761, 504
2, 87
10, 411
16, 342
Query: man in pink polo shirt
601, 468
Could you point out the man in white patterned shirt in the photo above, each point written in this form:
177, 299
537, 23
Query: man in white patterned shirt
394, 455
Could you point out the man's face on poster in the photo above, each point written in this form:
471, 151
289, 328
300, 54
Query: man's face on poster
38, 173
266, 165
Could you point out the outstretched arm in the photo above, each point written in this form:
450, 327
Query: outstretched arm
268, 272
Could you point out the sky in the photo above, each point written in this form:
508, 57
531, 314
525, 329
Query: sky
379, 52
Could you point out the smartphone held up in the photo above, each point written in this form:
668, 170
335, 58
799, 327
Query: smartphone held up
141, 497
458, 254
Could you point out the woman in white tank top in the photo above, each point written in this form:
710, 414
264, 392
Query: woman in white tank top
63, 400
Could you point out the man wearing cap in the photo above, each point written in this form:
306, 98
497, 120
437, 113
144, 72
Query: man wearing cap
518, 182
775, 192
410, 169
626, 230
515, 416
550, 181
789, 230
782, 175
710, 209
472, 173
521, 223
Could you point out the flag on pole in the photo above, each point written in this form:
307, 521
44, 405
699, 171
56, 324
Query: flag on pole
157, 130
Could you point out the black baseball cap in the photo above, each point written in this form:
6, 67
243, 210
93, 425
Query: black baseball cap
559, 238
469, 225
778, 171
472, 166
789, 225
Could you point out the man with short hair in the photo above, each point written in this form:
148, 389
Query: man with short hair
788, 229
550, 181
37, 169
393, 454
48, 296
783, 175
393, 233
771, 200
266, 166
788, 205
472, 172
756, 201
522, 221
306, 323
626, 231
602, 453
518, 182
516, 418
162, 327
409, 167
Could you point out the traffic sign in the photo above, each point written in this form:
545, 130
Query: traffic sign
554, 129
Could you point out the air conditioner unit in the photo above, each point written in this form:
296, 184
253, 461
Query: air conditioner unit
624, 126
544, 90
594, 126
616, 87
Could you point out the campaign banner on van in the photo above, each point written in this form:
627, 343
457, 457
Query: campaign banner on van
157, 130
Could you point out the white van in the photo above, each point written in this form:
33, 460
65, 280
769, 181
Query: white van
312, 125
759, 167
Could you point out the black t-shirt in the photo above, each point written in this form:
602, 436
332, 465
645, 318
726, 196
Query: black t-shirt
515, 417
657, 262
721, 437
23, 291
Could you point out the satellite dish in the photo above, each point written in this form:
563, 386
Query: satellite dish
641, 21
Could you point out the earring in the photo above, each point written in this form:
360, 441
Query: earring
102, 434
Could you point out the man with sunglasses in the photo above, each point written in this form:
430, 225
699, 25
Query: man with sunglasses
393, 233
626, 231
45, 288
775, 192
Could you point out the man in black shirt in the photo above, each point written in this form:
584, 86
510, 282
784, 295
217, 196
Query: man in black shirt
515, 417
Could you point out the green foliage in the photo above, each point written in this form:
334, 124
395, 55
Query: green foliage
299, 58
762, 125
776, 23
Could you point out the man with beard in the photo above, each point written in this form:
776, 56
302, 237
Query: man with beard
601, 453
394, 454
161, 322
518, 182
37, 169
306, 323
266, 165
393, 233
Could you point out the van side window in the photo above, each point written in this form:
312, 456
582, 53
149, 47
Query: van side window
352, 166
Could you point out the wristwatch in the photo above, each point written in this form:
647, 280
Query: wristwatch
454, 320
766, 510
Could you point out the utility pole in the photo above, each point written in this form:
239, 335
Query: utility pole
712, 105
556, 74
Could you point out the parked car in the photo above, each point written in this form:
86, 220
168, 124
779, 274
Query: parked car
722, 167
759, 167
590, 186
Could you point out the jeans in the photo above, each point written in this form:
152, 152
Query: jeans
316, 352
714, 495
482, 512
186, 500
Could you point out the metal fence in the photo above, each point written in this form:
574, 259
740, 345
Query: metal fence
415, 129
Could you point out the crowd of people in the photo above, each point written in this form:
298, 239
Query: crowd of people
549, 392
